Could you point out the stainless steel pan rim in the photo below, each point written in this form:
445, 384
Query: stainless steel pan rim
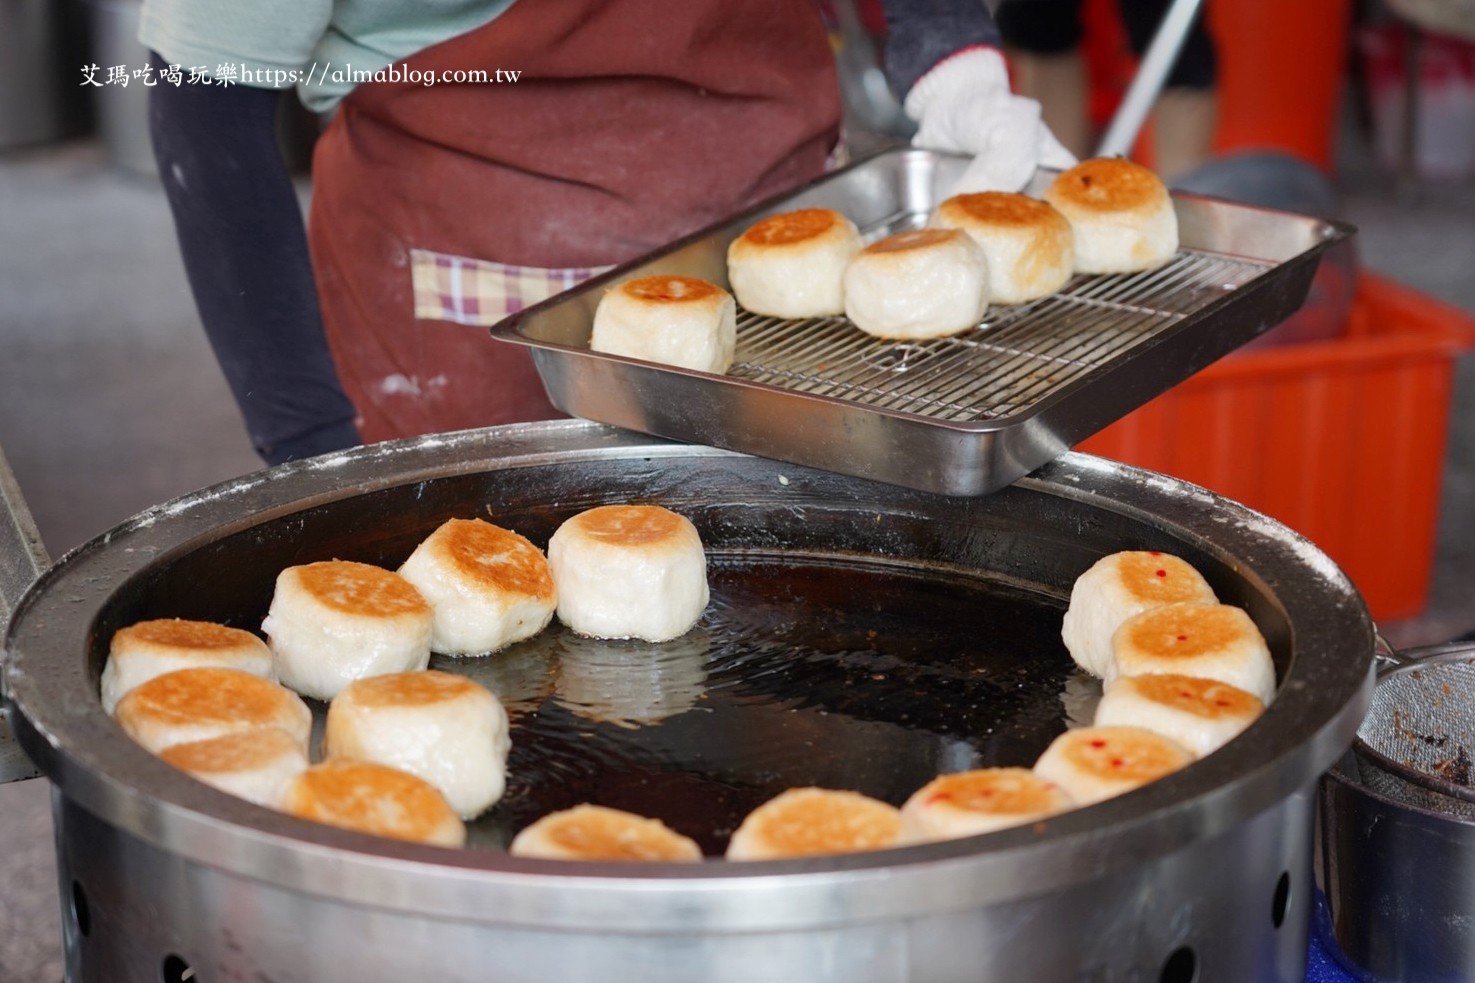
60, 722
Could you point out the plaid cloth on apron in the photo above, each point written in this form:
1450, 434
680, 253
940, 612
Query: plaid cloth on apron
480, 293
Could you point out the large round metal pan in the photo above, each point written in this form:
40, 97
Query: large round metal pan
861, 635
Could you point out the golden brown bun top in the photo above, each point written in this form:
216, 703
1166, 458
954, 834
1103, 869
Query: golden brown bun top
495, 557
809, 822
205, 695
408, 689
181, 634
793, 227
1001, 208
995, 791
669, 289
1108, 184
629, 525
1127, 754
916, 239
1206, 698
376, 799
1159, 578
241, 751
1186, 630
598, 833
362, 589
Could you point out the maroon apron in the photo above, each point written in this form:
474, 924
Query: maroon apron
633, 123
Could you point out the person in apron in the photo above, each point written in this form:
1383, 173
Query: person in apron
449, 193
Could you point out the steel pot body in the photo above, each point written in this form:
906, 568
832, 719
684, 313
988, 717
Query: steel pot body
1229, 907
1397, 835
1399, 863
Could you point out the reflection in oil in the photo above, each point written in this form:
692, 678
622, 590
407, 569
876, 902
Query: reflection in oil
631, 683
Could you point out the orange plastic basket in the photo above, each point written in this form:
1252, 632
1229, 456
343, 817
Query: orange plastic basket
1342, 440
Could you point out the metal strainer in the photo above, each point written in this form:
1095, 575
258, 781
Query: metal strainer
1417, 743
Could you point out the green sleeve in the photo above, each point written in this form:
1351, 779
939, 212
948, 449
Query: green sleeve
261, 36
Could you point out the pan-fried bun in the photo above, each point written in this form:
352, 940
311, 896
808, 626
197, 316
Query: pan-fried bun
1212, 641
927, 283
675, 320
147, 649
806, 822
255, 765
1027, 243
968, 803
374, 798
793, 264
1201, 714
629, 571
333, 622
199, 704
487, 586
1121, 215
1095, 763
1115, 588
442, 727
590, 832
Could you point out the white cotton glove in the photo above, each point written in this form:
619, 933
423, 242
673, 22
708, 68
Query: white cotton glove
964, 105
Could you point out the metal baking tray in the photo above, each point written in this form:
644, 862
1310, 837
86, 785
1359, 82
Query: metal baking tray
961, 416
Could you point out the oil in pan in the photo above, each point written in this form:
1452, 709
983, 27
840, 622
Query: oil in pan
804, 671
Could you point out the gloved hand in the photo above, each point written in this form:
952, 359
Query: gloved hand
964, 105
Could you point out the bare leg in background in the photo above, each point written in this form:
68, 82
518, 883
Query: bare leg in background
1183, 130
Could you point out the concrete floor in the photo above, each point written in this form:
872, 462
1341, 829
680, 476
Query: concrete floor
110, 401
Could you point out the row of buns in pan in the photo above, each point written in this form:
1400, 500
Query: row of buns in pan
470, 588
1183, 675
408, 755
408, 752
1106, 215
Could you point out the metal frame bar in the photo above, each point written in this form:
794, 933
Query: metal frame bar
22, 558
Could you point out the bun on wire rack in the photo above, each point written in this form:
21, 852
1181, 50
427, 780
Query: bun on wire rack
1121, 215
1027, 243
674, 320
927, 283
793, 264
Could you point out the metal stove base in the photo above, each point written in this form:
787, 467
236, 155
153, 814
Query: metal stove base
1233, 908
